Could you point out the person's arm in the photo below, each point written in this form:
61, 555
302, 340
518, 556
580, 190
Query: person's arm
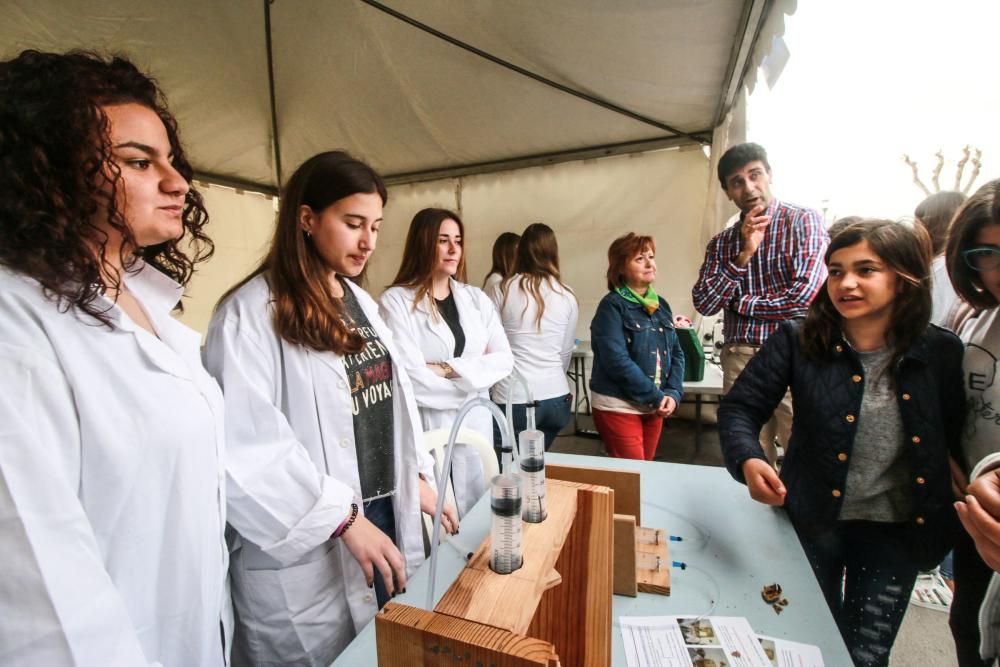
809, 239
675, 381
752, 399
607, 338
980, 511
277, 498
569, 335
480, 372
431, 391
718, 278
60, 605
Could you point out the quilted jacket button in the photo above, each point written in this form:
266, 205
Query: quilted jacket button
842, 457
915, 439
856, 378
920, 480
906, 397
920, 521
836, 493
850, 419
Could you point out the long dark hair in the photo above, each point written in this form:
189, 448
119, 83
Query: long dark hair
906, 250
420, 253
305, 310
57, 175
537, 261
504, 256
935, 214
982, 209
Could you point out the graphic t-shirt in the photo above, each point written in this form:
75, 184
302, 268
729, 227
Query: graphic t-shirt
981, 336
369, 375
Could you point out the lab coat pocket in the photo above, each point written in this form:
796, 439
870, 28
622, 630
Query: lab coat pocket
295, 615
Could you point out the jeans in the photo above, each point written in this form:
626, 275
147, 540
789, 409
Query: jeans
629, 436
551, 415
380, 513
866, 574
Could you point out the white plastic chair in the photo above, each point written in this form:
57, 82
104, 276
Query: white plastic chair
436, 444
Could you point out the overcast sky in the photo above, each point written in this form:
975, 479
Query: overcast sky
870, 80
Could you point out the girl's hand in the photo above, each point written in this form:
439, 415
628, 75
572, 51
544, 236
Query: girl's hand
437, 369
980, 514
763, 482
428, 505
667, 407
374, 550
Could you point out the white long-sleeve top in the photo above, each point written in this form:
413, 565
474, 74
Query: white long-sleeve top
486, 359
293, 475
542, 351
112, 504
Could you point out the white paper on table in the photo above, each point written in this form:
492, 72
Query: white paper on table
783, 653
691, 641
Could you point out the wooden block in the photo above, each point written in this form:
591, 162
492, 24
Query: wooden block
576, 616
411, 637
624, 482
654, 542
509, 600
624, 561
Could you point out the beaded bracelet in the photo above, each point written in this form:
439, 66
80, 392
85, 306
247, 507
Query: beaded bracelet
350, 520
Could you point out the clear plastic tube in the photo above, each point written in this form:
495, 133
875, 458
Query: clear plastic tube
505, 527
532, 449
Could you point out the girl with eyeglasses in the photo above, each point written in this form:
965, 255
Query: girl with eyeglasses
878, 410
973, 259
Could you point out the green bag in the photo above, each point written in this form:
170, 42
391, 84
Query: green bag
694, 355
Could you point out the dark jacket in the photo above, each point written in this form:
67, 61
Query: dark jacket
827, 399
626, 340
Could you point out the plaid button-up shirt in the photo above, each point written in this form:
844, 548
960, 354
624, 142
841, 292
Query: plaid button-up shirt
778, 284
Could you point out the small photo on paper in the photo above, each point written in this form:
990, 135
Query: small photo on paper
770, 650
708, 657
698, 631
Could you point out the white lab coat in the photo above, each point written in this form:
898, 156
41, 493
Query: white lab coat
300, 596
486, 359
111, 485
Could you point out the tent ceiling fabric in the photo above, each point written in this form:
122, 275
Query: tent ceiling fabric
347, 75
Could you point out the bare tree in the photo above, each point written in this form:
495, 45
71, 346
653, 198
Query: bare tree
969, 154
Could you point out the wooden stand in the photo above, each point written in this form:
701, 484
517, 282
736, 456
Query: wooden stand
633, 544
554, 612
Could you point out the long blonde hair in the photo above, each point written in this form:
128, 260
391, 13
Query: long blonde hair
537, 261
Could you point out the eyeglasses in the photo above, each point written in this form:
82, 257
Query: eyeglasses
984, 258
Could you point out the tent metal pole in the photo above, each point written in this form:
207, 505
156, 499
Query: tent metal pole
610, 106
754, 14
235, 183
275, 143
523, 162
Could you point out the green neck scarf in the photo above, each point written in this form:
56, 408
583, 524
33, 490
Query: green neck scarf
650, 302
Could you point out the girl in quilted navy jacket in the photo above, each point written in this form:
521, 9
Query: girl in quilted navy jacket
878, 409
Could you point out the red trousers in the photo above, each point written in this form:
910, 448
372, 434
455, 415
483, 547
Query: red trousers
629, 436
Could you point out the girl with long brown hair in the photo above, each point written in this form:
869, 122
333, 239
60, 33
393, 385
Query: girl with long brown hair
327, 474
450, 336
878, 409
539, 314
504, 259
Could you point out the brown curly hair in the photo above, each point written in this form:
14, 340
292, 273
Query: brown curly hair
57, 174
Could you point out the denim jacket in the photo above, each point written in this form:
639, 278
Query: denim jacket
626, 341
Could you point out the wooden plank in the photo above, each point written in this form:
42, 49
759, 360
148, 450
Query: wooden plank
411, 637
650, 544
509, 600
624, 558
625, 483
576, 616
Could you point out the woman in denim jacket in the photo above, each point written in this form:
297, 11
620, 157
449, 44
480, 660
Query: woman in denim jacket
638, 370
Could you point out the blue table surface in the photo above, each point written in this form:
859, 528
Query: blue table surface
732, 545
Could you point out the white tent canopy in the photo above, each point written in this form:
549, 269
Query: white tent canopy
256, 84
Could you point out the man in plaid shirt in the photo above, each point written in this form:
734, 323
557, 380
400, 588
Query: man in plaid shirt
763, 270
